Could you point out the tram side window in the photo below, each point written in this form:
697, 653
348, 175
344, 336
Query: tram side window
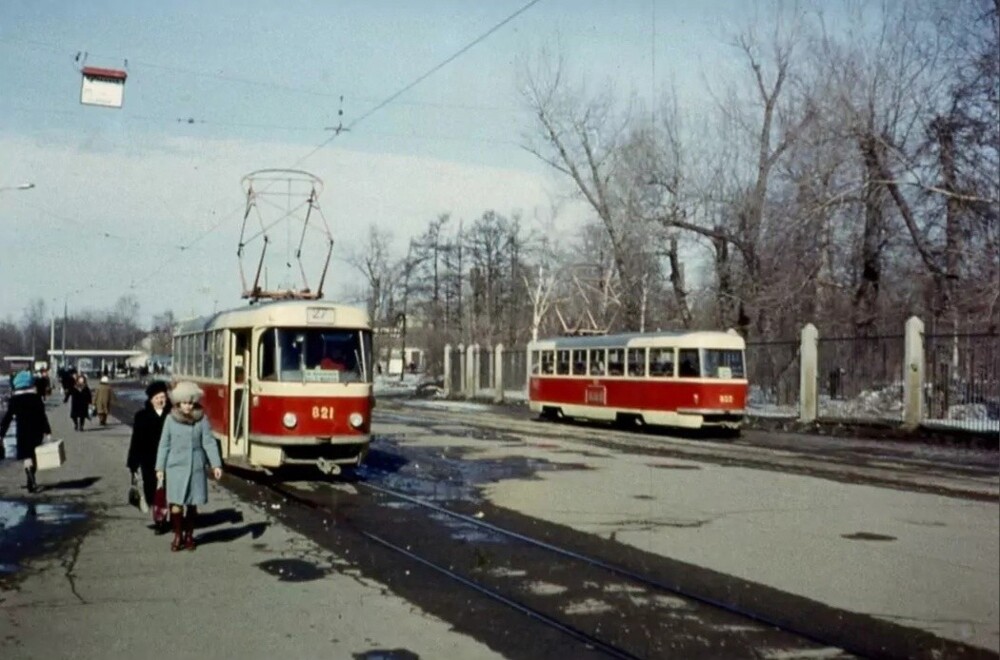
266, 369
536, 363
579, 362
598, 362
548, 362
199, 354
637, 362
661, 362
220, 354
721, 363
562, 362
616, 362
688, 363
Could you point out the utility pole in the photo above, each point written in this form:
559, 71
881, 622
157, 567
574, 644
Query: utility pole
65, 316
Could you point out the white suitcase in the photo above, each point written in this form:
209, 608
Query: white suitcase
50, 455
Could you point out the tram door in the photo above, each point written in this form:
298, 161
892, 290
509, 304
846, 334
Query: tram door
239, 385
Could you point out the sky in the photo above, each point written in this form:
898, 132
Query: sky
147, 200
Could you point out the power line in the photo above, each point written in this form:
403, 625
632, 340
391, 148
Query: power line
391, 98
139, 64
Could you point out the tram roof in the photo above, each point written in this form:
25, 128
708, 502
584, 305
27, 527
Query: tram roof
698, 338
279, 313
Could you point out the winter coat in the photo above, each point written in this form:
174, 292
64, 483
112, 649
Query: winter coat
103, 399
146, 429
32, 422
186, 444
79, 402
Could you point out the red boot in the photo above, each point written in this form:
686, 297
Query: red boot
189, 528
177, 521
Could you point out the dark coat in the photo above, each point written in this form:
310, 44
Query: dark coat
186, 445
147, 427
80, 401
32, 422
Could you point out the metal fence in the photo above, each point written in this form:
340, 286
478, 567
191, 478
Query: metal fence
455, 369
485, 375
962, 381
773, 374
861, 377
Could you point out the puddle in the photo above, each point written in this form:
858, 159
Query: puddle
292, 570
444, 476
867, 536
386, 654
29, 528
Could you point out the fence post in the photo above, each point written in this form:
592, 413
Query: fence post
447, 370
498, 374
461, 369
913, 378
808, 364
472, 371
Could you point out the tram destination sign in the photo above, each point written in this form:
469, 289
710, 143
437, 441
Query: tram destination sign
322, 315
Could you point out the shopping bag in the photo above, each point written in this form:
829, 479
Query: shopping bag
137, 495
160, 510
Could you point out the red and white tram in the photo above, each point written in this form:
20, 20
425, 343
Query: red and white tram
285, 382
684, 379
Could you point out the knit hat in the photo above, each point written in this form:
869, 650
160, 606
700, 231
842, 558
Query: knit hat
23, 380
185, 391
156, 387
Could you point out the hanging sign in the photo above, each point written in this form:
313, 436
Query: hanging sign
103, 87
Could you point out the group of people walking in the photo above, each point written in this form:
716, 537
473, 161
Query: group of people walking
170, 447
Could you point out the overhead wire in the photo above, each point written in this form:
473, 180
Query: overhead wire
382, 104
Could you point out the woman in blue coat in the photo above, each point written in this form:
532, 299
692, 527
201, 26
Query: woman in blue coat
186, 445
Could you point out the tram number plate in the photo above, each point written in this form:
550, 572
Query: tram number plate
596, 395
725, 398
322, 412
320, 315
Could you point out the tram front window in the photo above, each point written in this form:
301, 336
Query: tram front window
313, 355
723, 363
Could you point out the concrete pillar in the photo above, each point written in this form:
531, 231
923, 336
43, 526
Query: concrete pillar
472, 388
447, 370
808, 366
498, 374
913, 378
463, 375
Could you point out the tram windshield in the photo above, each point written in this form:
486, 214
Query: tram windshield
327, 355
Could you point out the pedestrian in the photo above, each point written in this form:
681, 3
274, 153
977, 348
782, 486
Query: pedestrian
43, 384
79, 404
68, 382
32, 424
146, 429
103, 398
186, 445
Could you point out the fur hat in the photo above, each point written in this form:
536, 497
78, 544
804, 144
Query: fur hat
156, 387
23, 380
104, 379
185, 391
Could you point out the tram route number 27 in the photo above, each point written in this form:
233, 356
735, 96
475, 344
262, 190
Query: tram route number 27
322, 412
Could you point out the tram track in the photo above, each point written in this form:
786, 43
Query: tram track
782, 639
750, 631
857, 465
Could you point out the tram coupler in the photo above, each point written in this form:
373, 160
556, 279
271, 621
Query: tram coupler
327, 467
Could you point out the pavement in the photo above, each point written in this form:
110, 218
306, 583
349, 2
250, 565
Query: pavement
82, 576
916, 559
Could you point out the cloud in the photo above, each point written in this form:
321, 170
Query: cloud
100, 223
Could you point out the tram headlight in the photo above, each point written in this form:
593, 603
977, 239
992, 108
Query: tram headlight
356, 420
289, 420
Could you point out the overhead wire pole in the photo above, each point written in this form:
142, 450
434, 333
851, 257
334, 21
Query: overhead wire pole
382, 104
